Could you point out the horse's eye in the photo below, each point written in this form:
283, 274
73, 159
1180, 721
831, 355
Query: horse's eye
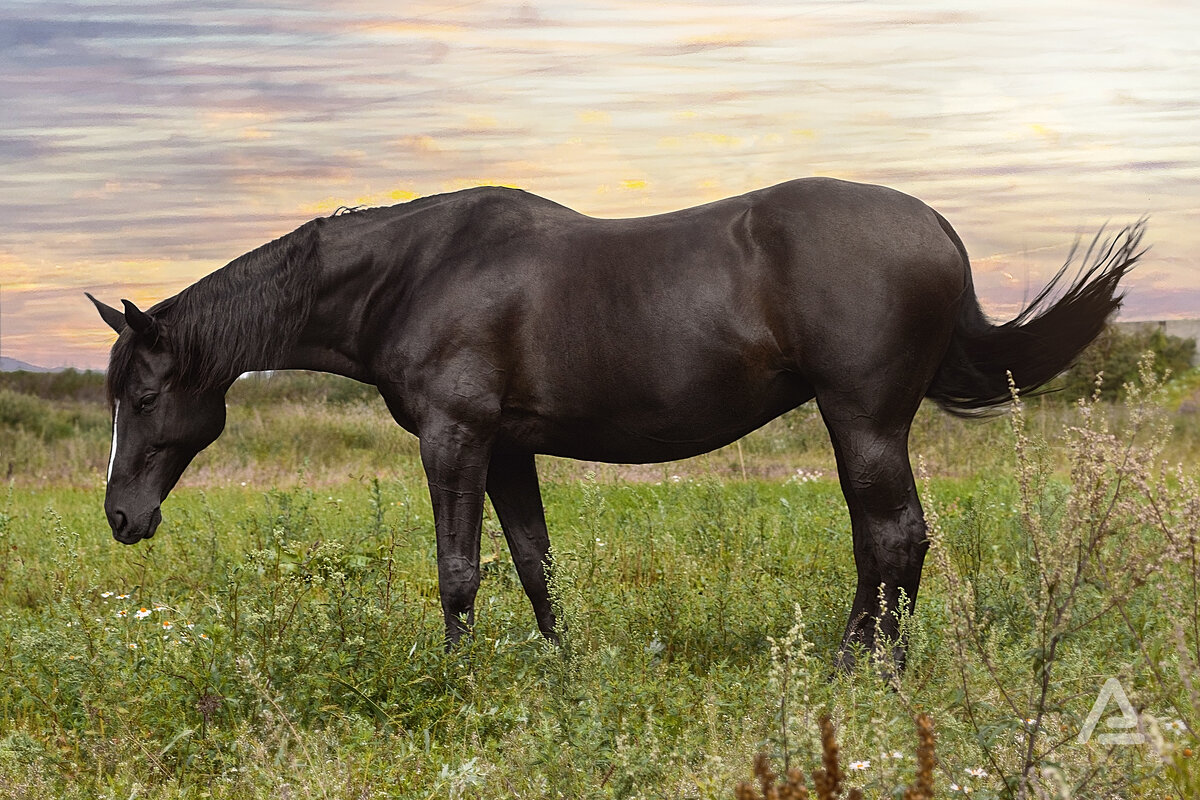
146, 402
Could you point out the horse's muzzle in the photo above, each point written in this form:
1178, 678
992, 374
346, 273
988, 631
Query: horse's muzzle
126, 531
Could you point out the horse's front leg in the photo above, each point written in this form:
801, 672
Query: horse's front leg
456, 464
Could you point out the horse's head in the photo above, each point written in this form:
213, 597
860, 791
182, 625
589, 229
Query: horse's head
159, 425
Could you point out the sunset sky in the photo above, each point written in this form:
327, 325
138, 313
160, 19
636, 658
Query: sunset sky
145, 144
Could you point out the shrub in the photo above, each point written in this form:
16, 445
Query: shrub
1116, 353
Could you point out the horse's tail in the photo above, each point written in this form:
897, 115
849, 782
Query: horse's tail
1044, 339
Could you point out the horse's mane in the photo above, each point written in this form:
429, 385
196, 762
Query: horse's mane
244, 316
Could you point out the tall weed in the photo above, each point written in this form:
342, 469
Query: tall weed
1085, 578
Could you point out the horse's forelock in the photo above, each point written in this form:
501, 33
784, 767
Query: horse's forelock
119, 362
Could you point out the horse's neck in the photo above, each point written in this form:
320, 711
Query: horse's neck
273, 317
323, 344
331, 333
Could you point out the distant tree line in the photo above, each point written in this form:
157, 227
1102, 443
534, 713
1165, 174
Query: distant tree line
67, 384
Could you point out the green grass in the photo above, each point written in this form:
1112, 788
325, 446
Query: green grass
323, 632
304, 656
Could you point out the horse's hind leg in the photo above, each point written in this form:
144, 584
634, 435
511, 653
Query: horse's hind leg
886, 518
512, 483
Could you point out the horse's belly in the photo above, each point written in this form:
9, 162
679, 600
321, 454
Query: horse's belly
651, 429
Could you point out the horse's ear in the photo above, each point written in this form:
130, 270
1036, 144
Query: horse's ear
139, 320
114, 318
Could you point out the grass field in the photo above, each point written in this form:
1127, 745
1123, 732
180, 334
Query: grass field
281, 636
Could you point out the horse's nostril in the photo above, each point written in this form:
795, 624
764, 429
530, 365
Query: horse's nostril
117, 520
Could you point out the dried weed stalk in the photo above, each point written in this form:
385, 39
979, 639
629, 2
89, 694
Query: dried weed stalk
828, 778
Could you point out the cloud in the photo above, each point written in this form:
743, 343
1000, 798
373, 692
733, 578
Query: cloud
1161, 303
51, 34
146, 146
594, 117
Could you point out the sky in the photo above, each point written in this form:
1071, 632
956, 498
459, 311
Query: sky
145, 144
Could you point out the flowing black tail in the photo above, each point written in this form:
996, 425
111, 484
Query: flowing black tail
1044, 338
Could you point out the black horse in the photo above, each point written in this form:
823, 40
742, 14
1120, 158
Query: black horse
497, 324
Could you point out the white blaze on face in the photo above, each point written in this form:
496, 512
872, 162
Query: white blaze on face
112, 454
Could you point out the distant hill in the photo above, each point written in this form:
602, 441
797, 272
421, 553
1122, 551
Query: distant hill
12, 365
